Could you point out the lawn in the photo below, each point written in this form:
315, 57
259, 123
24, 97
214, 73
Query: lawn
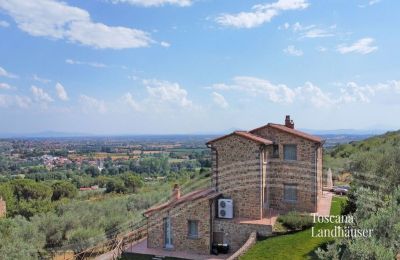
299, 245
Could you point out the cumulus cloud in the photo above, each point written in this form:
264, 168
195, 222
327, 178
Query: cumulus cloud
14, 101
4, 73
165, 91
58, 20
91, 103
5, 86
22, 101
130, 101
309, 93
260, 14
40, 95
154, 3
276, 93
220, 100
291, 50
362, 46
61, 92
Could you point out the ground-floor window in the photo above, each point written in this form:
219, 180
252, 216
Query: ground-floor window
193, 228
290, 192
167, 233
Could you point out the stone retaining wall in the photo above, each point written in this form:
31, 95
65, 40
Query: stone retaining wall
249, 243
236, 234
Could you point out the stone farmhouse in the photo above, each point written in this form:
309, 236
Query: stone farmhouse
255, 175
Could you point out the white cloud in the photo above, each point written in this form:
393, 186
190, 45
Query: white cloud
61, 93
260, 14
220, 100
129, 100
151, 3
90, 103
5, 86
92, 64
291, 50
23, 102
246, 19
347, 93
370, 3
4, 73
312, 31
165, 44
19, 101
166, 91
40, 95
5, 100
58, 20
277, 93
317, 33
311, 93
4, 24
362, 46
41, 80
284, 26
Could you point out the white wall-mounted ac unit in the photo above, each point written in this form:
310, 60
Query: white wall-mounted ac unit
225, 208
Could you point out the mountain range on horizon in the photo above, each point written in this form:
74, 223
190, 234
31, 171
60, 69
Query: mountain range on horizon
56, 134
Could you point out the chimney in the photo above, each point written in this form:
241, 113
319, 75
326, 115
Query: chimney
3, 208
176, 193
289, 123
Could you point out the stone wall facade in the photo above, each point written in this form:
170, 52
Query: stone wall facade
236, 234
200, 210
3, 208
237, 175
305, 172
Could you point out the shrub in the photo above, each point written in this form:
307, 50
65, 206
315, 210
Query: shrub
295, 220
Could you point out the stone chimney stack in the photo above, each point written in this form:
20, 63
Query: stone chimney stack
288, 122
3, 209
176, 192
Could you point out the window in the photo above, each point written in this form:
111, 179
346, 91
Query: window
167, 233
290, 152
193, 228
275, 151
290, 192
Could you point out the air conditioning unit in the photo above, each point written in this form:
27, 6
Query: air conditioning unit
225, 208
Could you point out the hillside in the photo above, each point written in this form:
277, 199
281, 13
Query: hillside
338, 158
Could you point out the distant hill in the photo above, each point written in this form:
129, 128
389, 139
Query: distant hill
376, 143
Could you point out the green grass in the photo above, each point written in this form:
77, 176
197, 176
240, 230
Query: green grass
299, 245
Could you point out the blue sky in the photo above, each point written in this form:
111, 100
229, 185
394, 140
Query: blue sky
197, 66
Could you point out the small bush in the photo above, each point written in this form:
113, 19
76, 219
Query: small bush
295, 220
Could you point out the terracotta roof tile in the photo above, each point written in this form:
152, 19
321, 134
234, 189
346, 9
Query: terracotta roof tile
246, 135
291, 131
195, 195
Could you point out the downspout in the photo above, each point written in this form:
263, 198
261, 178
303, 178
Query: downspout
213, 149
211, 224
316, 178
261, 180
